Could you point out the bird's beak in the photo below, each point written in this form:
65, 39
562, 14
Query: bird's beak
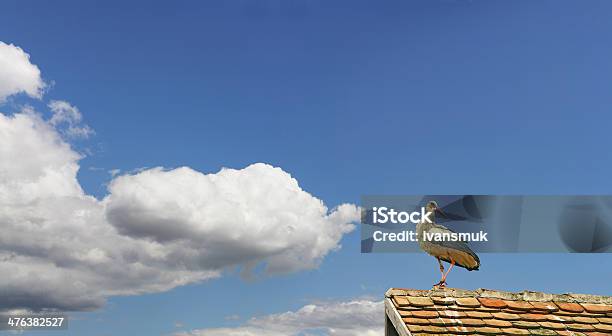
438, 210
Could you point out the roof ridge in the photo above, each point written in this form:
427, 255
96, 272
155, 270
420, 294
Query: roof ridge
525, 295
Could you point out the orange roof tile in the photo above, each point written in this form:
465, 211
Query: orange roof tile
449, 311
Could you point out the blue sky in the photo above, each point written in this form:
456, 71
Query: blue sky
350, 98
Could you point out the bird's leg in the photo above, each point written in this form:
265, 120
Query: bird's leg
441, 270
448, 271
442, 283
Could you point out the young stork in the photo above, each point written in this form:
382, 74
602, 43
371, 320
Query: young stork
454, 252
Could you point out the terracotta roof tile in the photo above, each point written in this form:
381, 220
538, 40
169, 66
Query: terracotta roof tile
470, 322
401, 301
444, 322
461, 330
426, 314
597, 308
452, 314
415, 328
478, 314
603, 328
552, 325
497, 323
445, 301
452, 311
525, 324
515, 331
416, 321
434, 330
545, 306
606, 320
580, 327
468, 302
489, 331
519, 305
543, 332
570, 307
506, 316
584, 319
419, 301
534, 317
493, 303
571, 333
561, 319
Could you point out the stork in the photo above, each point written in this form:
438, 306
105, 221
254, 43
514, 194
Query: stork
454, 252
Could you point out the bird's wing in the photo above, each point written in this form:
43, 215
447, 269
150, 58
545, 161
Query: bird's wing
459, 246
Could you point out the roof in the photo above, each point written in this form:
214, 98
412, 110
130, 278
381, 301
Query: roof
450, 311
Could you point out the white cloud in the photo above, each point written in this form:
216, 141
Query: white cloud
351, 318
258, 213
157, 229
17, 74
65, 114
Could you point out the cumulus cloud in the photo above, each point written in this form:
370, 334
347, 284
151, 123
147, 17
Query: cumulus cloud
240, 216
351, 318
156, 229
18, 74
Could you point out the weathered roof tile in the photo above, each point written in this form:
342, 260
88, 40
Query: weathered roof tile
497, 323
414, 320
478, 314
515, 331
415, 328
419, 301
506, 316
519, 305
580, 327
401, 301
542, 332
445, 301
470, 322
489, 331
534, 317
493, 303
597, 308
461, 330
433, 329
603, 327
444, 322
596, 333
469, 302
570, 333
452, 314
570, 307
606, 320
426, 314
552, 325
525, 324
584, 319
486, 312
545, 306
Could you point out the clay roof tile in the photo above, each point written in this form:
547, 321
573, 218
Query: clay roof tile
452, 311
